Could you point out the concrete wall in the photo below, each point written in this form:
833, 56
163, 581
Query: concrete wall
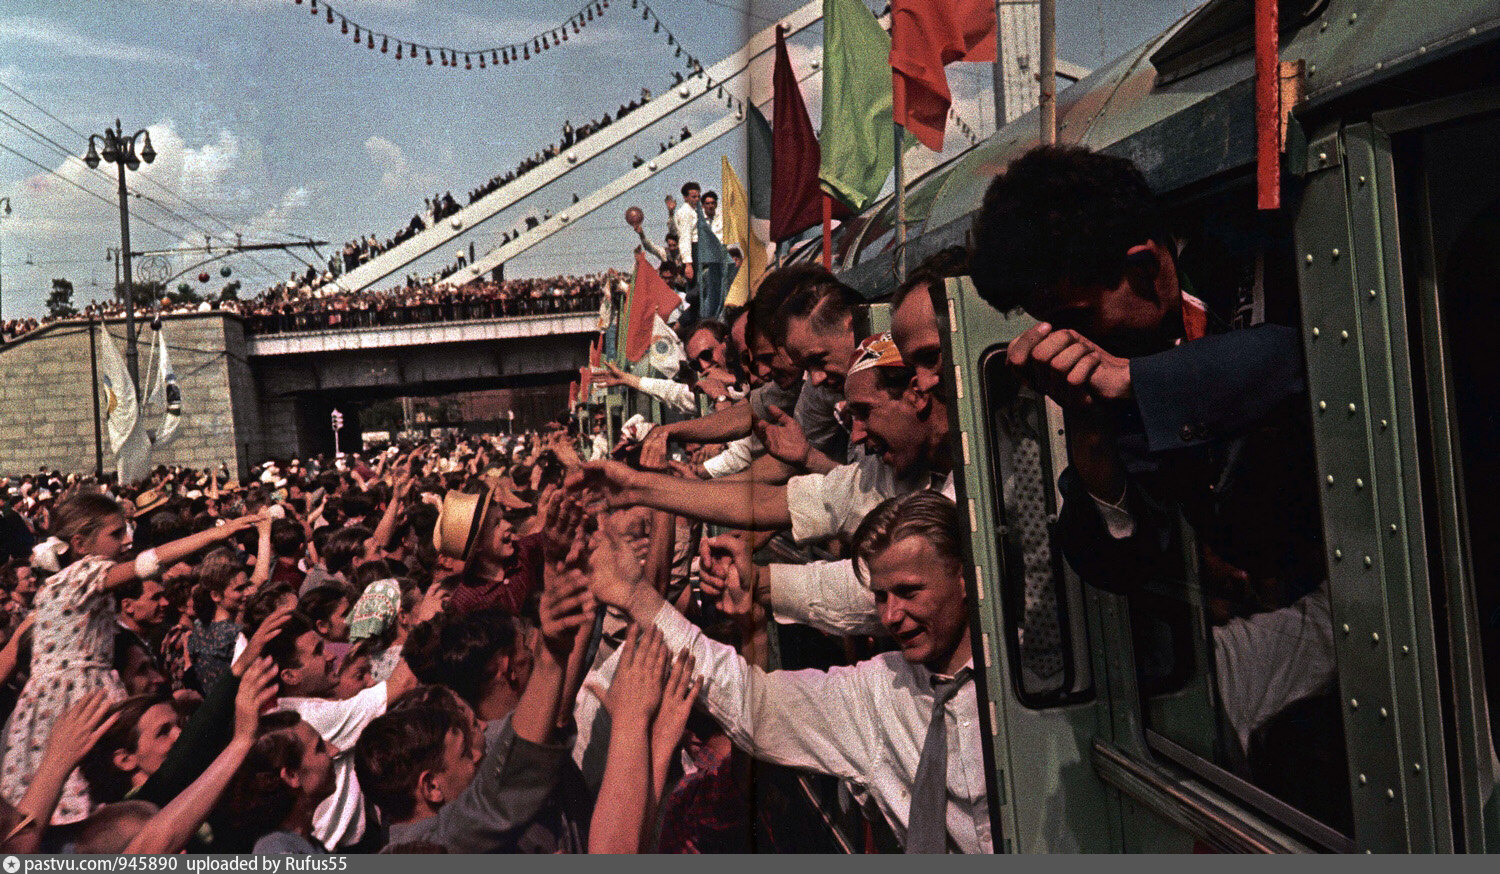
47, 416
237, 409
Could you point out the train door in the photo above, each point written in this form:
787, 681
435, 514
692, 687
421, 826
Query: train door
1039, 690
1424, 200
1200, 708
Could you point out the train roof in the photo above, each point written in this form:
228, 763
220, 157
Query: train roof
1180, 105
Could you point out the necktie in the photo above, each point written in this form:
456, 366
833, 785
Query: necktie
927, 823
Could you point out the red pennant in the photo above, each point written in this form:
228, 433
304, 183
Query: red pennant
796, 198
649, 295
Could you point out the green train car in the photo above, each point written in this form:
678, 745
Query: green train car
1105, 713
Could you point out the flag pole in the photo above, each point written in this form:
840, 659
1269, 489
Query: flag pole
94, 376
1048, 97
998, 71
827, 231
900, 205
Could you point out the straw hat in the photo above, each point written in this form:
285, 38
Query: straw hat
149, 500
459, 522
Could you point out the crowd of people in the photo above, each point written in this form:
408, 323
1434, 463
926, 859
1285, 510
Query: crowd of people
285, 308
291, 306
561, 641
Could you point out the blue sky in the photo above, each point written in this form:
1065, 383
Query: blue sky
270, 123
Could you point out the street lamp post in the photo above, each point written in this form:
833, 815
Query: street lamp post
120, 150
4, 212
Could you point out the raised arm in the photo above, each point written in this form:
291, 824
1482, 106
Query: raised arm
170, 553
620, 813
73, 735
264, 557
170, 828
804, 719
722, 503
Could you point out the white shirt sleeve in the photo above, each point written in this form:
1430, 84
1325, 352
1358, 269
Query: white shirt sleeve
341, 722
735, 457
685, 220
823, 721
672, 393
825, 505
825, 595
1269, 660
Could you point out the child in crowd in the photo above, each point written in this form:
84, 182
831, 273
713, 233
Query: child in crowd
74, 632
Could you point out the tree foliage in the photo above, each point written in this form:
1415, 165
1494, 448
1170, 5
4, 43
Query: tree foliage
60, 301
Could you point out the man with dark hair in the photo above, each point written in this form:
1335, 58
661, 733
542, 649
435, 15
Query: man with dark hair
287, 545
685, 223
488, 805
1164, 412
143, 609
347, 549
307, 677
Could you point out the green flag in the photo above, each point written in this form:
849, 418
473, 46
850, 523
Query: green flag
858, 137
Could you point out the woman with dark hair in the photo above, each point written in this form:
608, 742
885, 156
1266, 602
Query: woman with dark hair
287, 774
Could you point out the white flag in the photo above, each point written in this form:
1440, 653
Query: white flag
165, 390
666, 349
134, 460
120, 408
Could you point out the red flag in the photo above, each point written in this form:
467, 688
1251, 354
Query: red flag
796, 198
596, 349
925, 37
649, 294
585, 380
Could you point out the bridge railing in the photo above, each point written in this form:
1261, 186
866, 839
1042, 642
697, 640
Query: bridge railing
379, 314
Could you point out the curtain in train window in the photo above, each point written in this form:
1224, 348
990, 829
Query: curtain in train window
1042, 605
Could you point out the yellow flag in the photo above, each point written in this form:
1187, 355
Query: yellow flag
735, 207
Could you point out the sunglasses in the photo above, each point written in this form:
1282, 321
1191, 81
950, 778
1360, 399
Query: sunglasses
702, 361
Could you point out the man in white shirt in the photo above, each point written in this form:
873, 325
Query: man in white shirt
685, 223
901, 728
307, 678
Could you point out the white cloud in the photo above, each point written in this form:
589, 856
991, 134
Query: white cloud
57, 38
397, 173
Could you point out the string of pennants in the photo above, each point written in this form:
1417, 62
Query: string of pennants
516, 52
448, 56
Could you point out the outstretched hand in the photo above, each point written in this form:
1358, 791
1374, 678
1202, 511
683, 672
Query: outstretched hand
605, 484
257, 690
783, 437
727, 575
636, 691
677, 699
262, 636
80, 727
615, 570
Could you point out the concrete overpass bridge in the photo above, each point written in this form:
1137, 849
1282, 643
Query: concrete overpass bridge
249, 396
301, 377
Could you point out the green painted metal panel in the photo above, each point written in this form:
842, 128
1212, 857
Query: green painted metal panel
1350, 387
1049, 798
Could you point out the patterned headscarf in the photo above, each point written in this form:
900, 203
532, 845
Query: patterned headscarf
376, 610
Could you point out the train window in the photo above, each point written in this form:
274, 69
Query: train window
1045, 632
1455, 199
1234, 645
